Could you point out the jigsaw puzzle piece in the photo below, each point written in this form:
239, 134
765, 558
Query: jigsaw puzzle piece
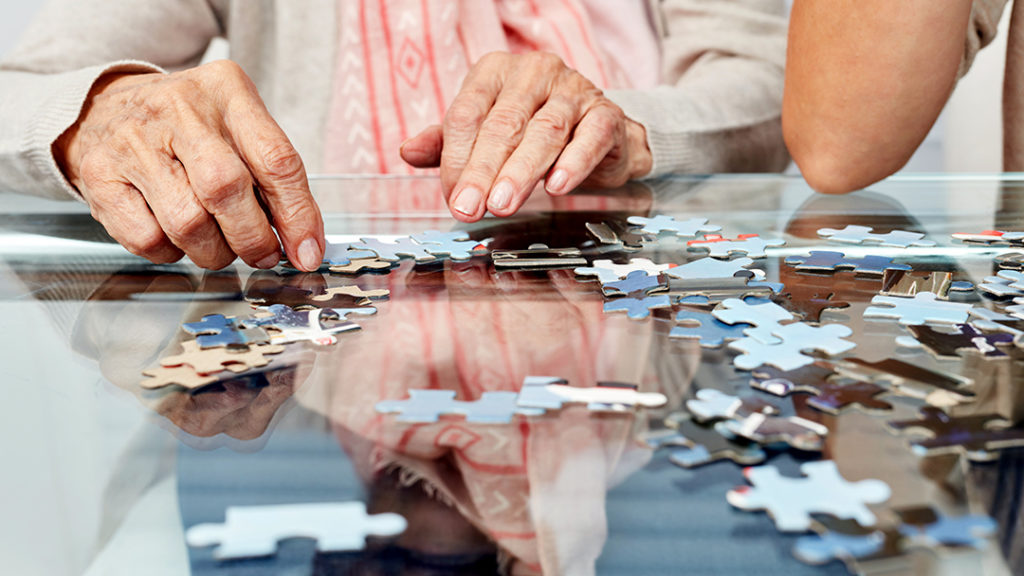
965, 338
794, 431
212, 360
795, 339
815, 379
694, 445
636, 282
455, 245
862, 234
597, 398
791, 501
638, 308
427, 406
184, 376
682, 228
359, 265
703, 326
923, 308
750, 245
924, 527
342, 254
765, 315
826, 261
254, 531
990, 237
217, 330
395, 251
711, 404
910, 380
711, 269
978, 436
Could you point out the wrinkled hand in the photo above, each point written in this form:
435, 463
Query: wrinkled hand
522, 118
175, 164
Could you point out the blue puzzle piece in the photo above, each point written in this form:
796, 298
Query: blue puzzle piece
455, 245
638, 308
635, 281
342, 254
711, 331
827, 261
216, 330
822, 549
968, 531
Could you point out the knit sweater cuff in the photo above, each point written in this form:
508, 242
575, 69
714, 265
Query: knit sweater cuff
58, 112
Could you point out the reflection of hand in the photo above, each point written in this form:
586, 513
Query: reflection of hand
168, 165
521, 118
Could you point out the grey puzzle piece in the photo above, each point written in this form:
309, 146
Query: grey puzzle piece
661, 223
455, 245
254, 531
638, 308
791, 501
789, 354
862, 235
711, 331
923, 308
394, 251
765, 315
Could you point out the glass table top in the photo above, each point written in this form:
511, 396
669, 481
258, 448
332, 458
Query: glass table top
102, 476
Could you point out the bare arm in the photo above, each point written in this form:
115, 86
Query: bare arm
865, 81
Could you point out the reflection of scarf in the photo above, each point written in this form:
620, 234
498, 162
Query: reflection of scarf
399, 63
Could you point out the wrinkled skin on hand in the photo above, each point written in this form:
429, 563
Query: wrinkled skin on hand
520, 119
191, 163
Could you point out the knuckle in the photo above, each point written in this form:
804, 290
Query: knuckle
506, 122
282, 162
217, 182
187, 225
547, 60
552, 123
465, 115
147, 242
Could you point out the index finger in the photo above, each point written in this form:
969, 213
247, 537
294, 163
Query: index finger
278, 169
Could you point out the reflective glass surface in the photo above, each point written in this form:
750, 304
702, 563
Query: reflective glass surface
101, 476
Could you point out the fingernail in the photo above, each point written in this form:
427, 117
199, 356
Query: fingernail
269, 262
500, 196
467, 201
556, 183
309, 254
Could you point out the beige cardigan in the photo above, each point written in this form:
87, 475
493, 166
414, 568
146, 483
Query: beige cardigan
719, 110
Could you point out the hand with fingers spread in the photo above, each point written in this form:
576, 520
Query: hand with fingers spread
520, 119
191, 163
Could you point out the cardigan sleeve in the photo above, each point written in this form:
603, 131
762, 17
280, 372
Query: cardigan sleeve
719, 108
46, 78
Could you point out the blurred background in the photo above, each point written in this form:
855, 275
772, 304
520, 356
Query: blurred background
966, 138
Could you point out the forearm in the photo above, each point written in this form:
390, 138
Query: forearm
865, 81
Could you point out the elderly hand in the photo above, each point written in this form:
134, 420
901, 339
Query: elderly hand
175, 164
522, 118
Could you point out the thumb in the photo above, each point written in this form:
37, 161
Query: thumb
424, 149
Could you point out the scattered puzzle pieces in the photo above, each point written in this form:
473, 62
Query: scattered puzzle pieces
395, 251
711, 268
765, 315
607, 271
211, 360
862, 235
791, 501
455, 245
816, 379
825, 261
254, 531
797, 432
711, 404
638, 308
923, 308
796, 338
694, 445
964, 338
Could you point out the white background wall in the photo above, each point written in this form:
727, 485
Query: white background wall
967, 137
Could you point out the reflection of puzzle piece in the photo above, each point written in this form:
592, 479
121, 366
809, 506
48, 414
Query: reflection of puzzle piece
312, 330
394, 251
694, 445
908, 282
357, 265
455, 245
217, 330
810, 301
863, 235
253, 531
711, 331
965, 338
184, 376
923, 308
791, 501
638, 308
797, 432
682, 228
597, 398
825, 261
814, 379
765, 315
607, 271
978, 436
971, 531
637, 281
210, 360
711, 404
750, 245
795, 339
911, 380
428, 405
357, 293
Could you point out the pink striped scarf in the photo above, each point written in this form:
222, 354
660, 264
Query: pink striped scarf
399, 63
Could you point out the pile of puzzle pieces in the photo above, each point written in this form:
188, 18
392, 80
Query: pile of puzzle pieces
720, 300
